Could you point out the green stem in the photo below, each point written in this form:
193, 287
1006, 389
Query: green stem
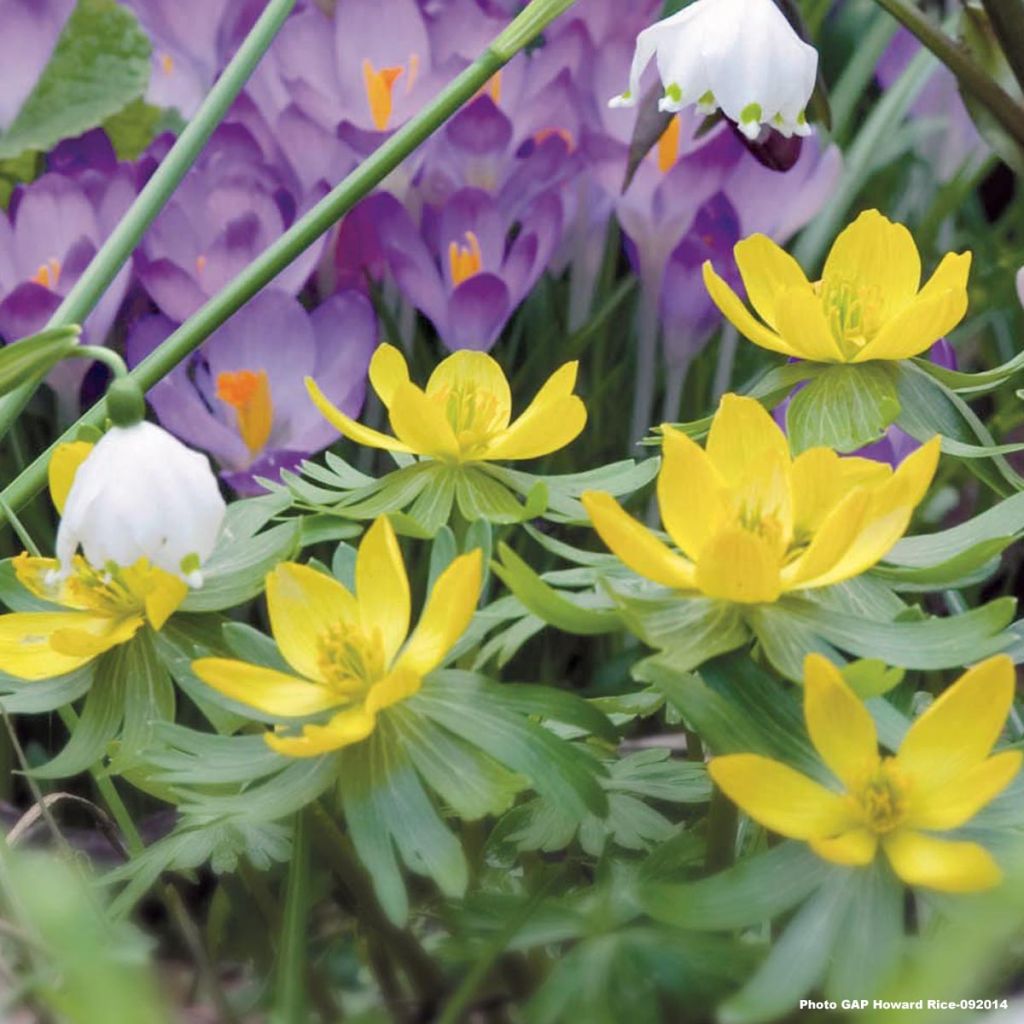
305, 231
1007, 20
117, 366
117, 249
290, 991
985, 89
723, 819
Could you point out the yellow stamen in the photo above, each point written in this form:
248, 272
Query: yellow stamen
248, 393
379, 88
883, 798
475, 414
48, 274
562, 133
351, 660
166, 63
465, 261
668, 145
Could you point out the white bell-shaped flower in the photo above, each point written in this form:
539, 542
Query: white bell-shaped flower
738, 55
141, 493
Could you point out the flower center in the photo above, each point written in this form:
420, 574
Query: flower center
351, 661
465, 261
48, 274
854, 312
668, 145
248, 393
474, 413
106, 590
883, 798
380, 88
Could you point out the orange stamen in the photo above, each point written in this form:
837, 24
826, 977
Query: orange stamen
465, 261
166, 63
48, 274
492, 88
248, 393
200, 263
668, 145
562, 133
379, 88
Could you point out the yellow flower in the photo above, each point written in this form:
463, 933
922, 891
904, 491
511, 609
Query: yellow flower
752, 522
105, 607
348, 651
869, 303
940, 778
464, 415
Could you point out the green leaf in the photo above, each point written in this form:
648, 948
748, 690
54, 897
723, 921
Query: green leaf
785, 642
186, 757
846, 407
31, 357
481, 496
237, 570
547, 603
99, 66
755, 890
132, 129
101, 717
433, 507
973, 383
870, 677
933, 643
556, 705
36, 696
798, 958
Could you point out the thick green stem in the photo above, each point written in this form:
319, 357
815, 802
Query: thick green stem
985, 89
113, 362
117, 249
1007, 20
304, 232
723, 819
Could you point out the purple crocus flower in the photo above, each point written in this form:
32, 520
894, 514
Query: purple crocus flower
31, 29
242, 397
229, 208
472, 278
50, 233
956, 138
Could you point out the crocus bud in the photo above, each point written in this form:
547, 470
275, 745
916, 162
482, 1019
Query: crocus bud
741, 56
141, 493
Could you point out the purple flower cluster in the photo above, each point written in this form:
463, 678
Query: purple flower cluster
522, 181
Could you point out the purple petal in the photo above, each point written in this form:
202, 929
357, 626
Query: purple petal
477, 311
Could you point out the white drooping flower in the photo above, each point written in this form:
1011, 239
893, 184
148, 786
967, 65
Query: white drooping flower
141, 493
741, 56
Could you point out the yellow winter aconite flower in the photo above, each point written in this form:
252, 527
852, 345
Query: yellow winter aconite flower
465, 412
349, 651
103, 607
940, 778
752, 522
869, 303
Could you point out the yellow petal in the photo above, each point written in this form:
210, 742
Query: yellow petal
959, 730
879, 257
768, 271
41, 577
63, 466
917, 327
344, 729
951, 274
448, 613
886, 520
382, 588
349, 427
801, 321
635, 545
956, 801
466, 371
91, 636
164, 596
739, 316
932, 863
854, 849
265, 689
25, 650
841, 728
821, 479
832, 541
690, 493
304, 605
421, 424
554, 418
398, 686
388, 369
780, 798
737, 565
742, 438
